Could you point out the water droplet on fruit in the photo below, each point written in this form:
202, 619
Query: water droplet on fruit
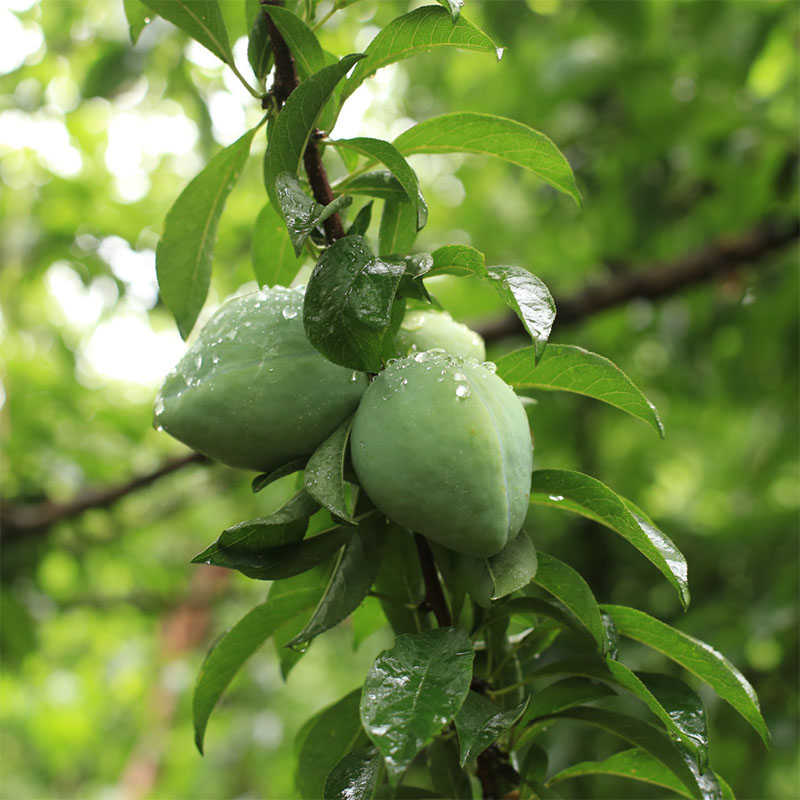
198, 362
354, 376
459, 376
490, 365
231, 335
462, 390
288, 312
215, 359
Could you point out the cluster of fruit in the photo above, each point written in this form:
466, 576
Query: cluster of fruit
439, 443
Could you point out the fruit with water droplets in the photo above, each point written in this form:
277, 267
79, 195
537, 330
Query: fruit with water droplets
251, 391
426, 329
441, 445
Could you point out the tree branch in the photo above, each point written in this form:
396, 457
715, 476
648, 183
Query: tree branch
661, 280
17, 520
434, 596
284, 84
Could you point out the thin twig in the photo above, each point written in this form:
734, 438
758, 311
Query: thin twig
661, 280
434, 596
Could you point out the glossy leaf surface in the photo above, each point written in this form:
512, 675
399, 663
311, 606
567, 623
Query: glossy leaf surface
530, 300
137, 16
458, 259
486, 134
418, 31
241, 641
447, 775
582, 494
302, 41
380, 183
355, 777
186, 248
568, 368
480, 723
564, 694
348, 305
413, 690
324, 473
398, 229
698, 657
262, 481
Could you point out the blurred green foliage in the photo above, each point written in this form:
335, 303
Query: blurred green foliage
680, 120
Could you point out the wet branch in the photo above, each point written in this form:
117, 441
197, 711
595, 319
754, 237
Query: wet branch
434, 596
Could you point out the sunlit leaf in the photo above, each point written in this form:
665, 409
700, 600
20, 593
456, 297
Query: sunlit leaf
582, 494
568, 368
186, 248
486, 134
420, 30
458, 259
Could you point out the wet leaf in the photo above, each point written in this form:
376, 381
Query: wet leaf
459, 259
262, 481
137, 16
381, 184
448, 778
324, 474
274, 261
582, 494
698, 657
355, 777
302, 42
398, 229
564, 694
480, 723
567, 368
413, 690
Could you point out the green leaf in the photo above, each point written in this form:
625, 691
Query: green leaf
698, 657
138, 16
201, 19
398, 229
185, 250
552, 609
348, 305
301, 213
290, 132
488, 579
240, 642
283, 561
582, 494
285, 526
302, 42
381, 184
259, 48
567, 585
564, 694
635, 764
640, 734
353, 574
413, 690
355, 777
480, 723
324, 475
387, 154
449, 779
418, 31
530, 300
361, 222
262, 481
568, 368
458, 259
486, 134
324, 740
274, 261
453, 6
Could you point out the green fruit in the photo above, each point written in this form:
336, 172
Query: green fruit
442, 446
427, 329
251, 391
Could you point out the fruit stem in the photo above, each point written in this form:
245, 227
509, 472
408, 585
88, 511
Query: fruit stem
434, 596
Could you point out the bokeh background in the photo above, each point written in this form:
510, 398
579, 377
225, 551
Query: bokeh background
681, 122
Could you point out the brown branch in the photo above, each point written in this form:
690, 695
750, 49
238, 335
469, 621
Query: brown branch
17, 520
434, 596
285, 82
661, 280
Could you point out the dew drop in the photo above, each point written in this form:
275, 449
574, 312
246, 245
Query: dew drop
231, 335
462, 390
490, 365
288, 312
159, 428
354, 376
459, 376
215, 359
248, 324
391, 361
198, 362
499, 51
556, 498
158, 408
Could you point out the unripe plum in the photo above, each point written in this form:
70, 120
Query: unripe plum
428, 329
441, 445
251, 391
